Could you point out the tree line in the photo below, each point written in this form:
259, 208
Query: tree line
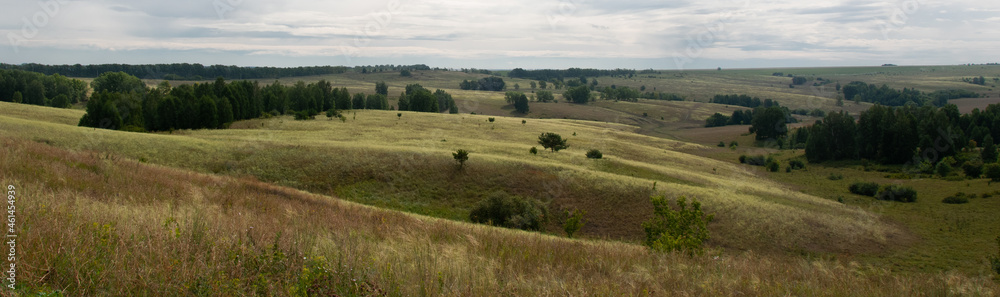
900, 135
418, 98
491, 83
552, 74
38, 89
123, 102
742, 100
188, 71
884, 95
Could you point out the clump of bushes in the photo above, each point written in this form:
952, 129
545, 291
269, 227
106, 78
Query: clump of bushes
505, 210
864, 188
684, 229
797, 164
533, 150
958, 198
835, 176
897, 193
594, 154
758, 160
773, 165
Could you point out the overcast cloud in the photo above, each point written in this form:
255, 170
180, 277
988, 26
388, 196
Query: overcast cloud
502, 34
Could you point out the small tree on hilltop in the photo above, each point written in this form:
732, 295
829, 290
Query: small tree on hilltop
684, 229
552, 141
461, 156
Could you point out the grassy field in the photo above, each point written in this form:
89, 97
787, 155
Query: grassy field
88, 218
797, 233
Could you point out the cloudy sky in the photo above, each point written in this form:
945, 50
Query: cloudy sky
503, 34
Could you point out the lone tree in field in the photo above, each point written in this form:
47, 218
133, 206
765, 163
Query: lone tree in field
672, 230
552, 141
461, 156
574, 221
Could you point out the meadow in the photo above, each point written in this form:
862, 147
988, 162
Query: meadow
375, 205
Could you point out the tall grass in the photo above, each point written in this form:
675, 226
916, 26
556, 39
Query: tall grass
95, 224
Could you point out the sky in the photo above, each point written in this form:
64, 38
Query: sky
530, 34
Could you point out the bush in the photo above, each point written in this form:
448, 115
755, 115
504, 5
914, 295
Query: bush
864, 188
773, 165
758, 160
461, 156
958, 198
897, 193
721, 144
552, 141
533, 150
797, 164
684, 229
835, 176
302, 115
594, 154
992, 171
492, 119
973, 169
573, 223
743, 159
502, 209
943, 169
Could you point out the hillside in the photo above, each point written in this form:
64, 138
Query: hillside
87, 217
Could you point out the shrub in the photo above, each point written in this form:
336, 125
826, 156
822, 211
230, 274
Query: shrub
302, 115
758, 160
797, 164
992, 171
552, 141
897, 193
461, 156
958, 198
721, 144
594, 154
492, 119
943, 169
502, 209
973, 169
743, 159
684, 229
864, 188
835, 176
773, 165
533, 150
573, 223
734, 144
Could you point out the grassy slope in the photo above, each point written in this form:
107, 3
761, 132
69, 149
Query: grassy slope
405, 163
86, 219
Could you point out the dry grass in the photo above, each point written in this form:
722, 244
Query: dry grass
100, 225
405, 164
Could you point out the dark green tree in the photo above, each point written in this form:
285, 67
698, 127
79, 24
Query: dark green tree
579, 95
684, 229
382, 88
552, 141
769, 123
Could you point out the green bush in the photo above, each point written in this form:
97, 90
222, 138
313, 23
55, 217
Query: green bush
958, 198
502, 209
897, 193
773, 165
797, 164
594, 154
461, 156
743, 159
943, 169
835, 176
864, 188
685, 229
553, 141
533, 150
992, 171
721, 144
973, 169
758, 160
492, 119
573, 223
